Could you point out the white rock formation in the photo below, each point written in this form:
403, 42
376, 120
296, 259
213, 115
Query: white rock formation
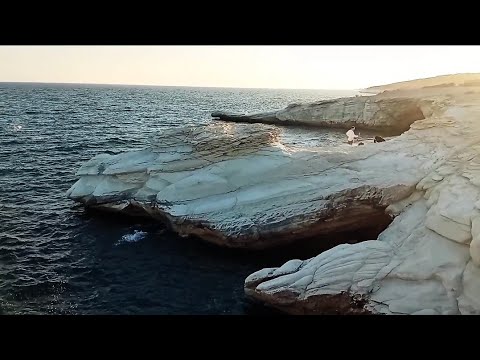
389, 116
236, 185
426, 261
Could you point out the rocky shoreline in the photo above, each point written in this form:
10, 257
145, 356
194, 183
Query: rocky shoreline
236, 185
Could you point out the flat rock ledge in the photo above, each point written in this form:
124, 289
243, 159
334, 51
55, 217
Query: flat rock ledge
389, 116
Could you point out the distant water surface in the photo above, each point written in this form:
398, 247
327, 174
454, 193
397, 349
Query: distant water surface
57, 258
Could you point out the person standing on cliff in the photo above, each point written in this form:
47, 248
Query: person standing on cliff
351, 135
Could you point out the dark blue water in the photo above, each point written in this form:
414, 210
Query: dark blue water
57, 258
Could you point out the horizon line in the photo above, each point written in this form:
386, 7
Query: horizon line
185, 86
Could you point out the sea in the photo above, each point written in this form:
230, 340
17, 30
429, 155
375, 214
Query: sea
58, 258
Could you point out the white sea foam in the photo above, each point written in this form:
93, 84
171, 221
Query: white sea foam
131, 238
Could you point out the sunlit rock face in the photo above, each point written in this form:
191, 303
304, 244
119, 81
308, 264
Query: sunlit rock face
426, 261
386, 115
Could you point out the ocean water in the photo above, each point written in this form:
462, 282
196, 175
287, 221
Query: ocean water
58, 258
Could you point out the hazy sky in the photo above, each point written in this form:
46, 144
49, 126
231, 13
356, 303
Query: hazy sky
302, 67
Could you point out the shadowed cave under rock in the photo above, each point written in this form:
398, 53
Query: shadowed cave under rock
305, 248
305, 244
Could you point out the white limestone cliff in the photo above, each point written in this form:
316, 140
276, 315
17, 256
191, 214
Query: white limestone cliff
425, 262
387, 115
236, 185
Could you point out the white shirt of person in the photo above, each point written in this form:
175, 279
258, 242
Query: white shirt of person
351, 135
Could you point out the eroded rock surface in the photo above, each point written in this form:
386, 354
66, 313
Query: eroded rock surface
387, 115
425, 262
237, 185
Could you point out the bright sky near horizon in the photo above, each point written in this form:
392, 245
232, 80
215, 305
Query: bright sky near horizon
298, 67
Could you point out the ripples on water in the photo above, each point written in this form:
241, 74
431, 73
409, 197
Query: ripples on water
57, 258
